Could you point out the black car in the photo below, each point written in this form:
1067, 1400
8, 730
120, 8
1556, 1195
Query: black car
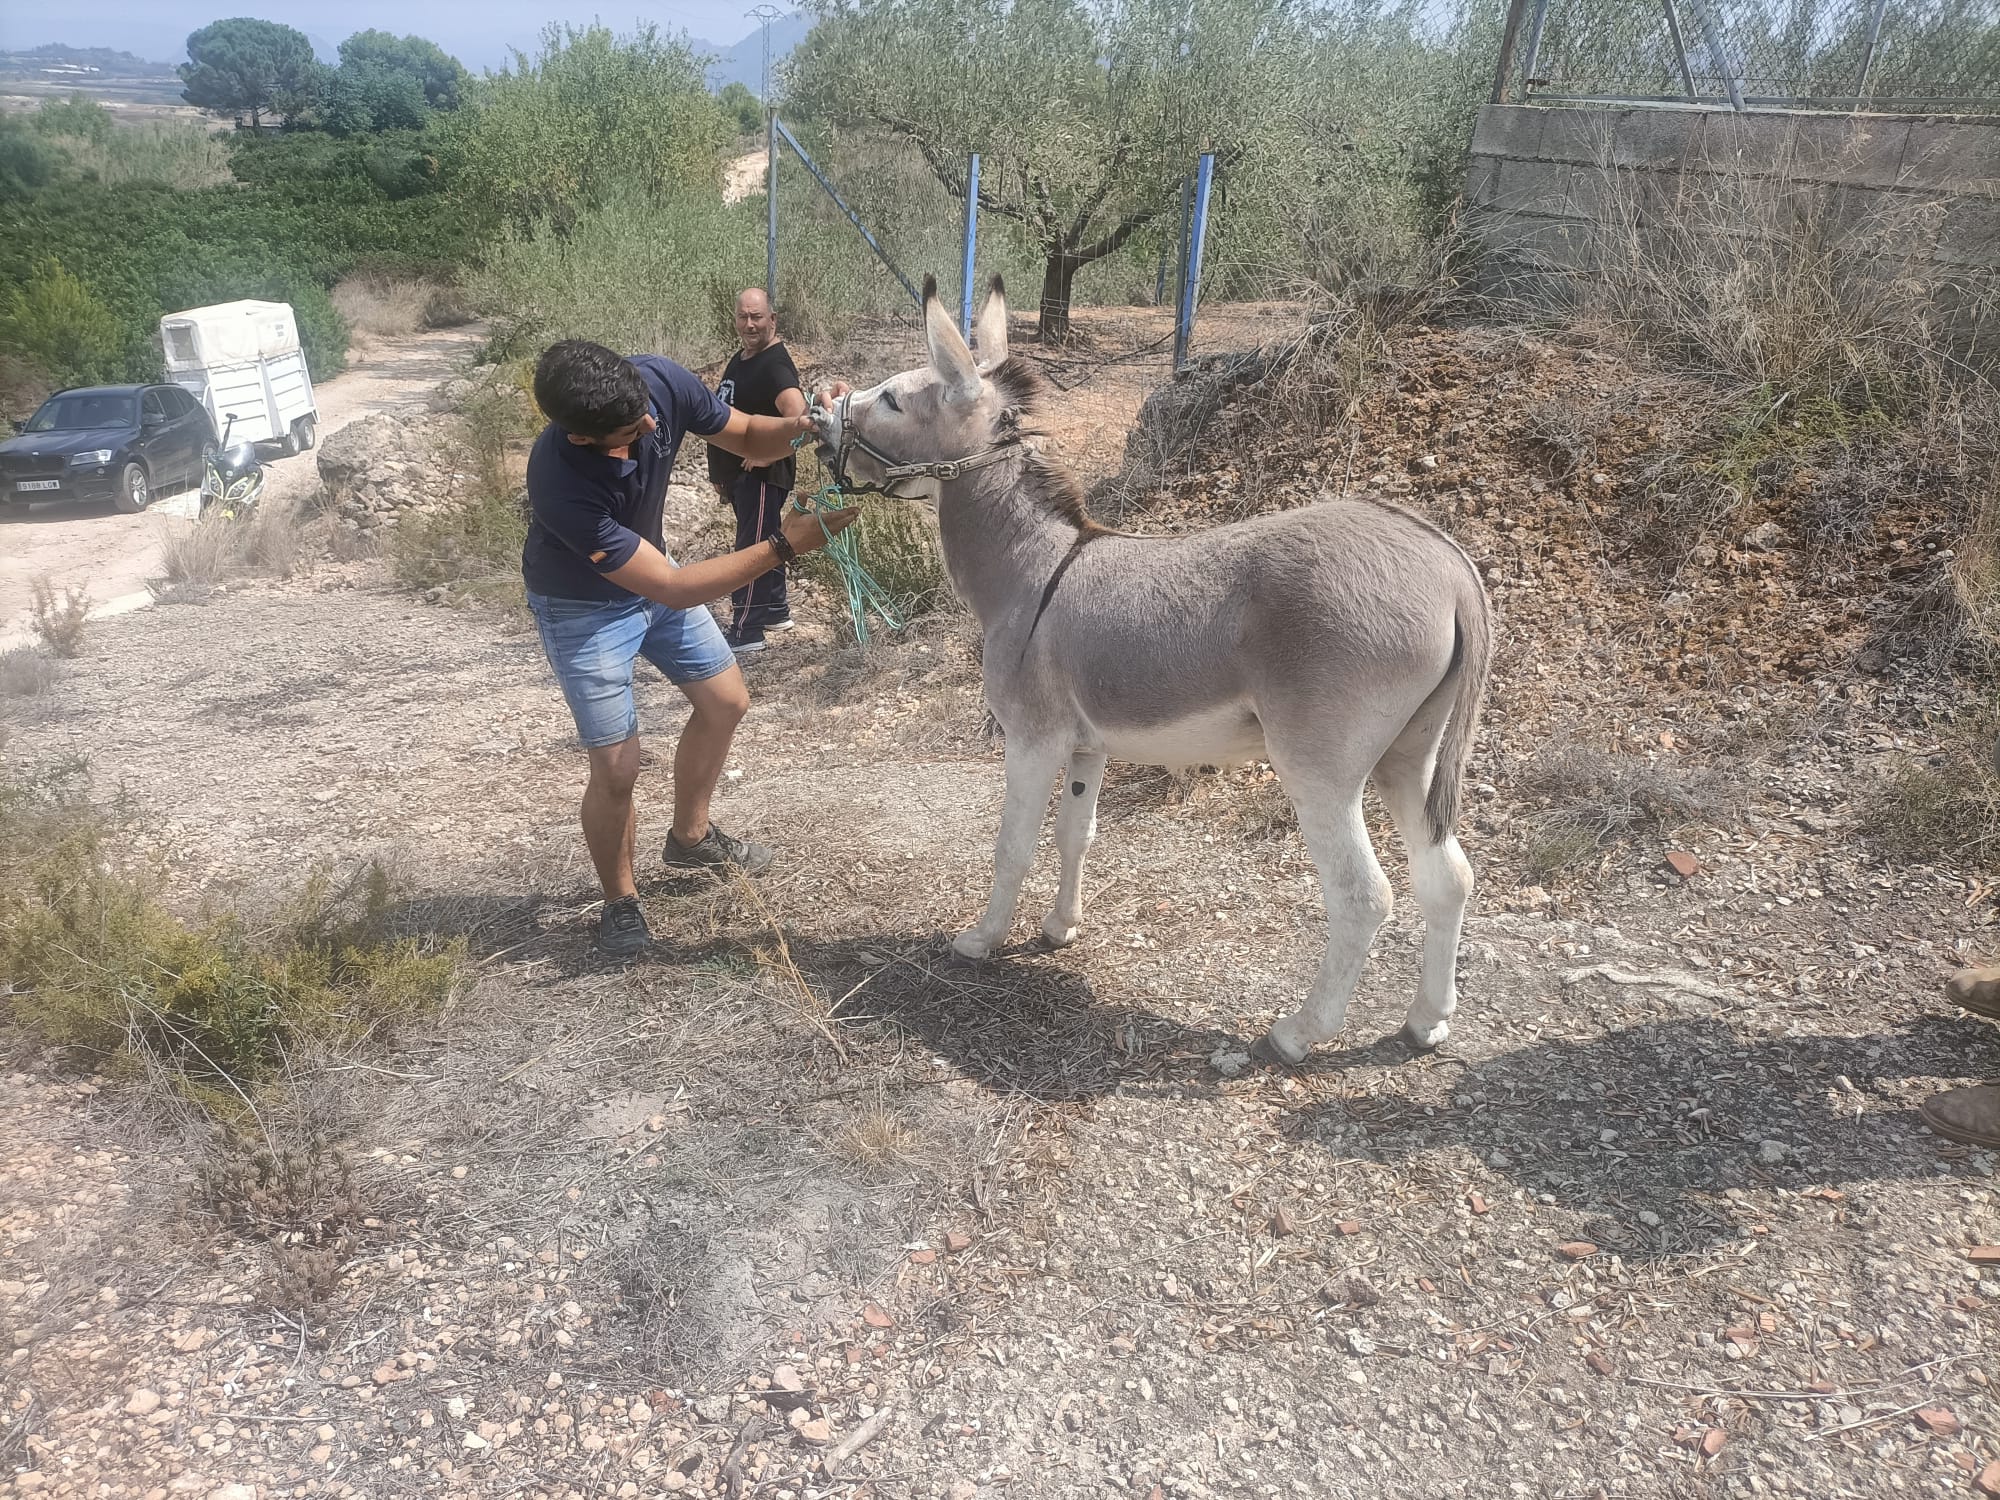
122, 443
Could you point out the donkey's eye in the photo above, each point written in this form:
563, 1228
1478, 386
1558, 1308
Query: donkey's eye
889, 400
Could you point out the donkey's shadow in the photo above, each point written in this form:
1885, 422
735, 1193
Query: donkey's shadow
1644, 1128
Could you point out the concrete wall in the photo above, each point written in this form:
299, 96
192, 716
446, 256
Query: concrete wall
1554, 191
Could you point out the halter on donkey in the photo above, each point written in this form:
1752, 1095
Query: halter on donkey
1341, 641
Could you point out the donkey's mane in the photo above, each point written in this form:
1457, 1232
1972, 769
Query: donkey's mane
1052, 486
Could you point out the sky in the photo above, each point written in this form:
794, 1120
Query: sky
477, 32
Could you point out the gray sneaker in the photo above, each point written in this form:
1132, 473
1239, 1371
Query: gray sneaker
622, 929
716, 852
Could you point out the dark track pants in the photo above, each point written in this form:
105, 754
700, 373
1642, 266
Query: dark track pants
758, 507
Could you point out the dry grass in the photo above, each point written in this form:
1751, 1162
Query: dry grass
1944, 805
58, 621
1592, 799
26, 672
270, 542
392, 307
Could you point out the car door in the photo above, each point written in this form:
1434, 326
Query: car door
192, 423
156, 440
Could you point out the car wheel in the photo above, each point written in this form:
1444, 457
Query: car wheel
133, 493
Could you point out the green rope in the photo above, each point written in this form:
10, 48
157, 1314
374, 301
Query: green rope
863, 592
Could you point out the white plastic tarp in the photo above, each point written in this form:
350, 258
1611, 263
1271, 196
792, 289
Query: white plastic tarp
228, 334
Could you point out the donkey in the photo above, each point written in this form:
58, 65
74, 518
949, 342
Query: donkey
1341, 640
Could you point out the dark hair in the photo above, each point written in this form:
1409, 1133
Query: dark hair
586, 389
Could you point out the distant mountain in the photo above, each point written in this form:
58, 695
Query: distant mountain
744, 62
105, 59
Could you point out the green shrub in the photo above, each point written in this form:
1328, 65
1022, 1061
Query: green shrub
472, 552
99, 964
54, 322
639, 274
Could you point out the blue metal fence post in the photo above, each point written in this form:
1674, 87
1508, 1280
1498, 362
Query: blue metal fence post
1191, 282
971, 245
771, 205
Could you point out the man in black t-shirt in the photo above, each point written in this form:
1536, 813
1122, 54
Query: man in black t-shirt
760, 381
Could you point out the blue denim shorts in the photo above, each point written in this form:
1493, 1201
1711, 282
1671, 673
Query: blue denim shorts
592, 644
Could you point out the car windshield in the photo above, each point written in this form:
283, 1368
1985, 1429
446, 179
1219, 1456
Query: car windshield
80, 409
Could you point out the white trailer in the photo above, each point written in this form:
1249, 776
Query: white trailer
242, 360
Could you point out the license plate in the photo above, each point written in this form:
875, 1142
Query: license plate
38, 484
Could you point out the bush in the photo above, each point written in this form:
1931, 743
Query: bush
100, 965
1945, 805
56, 324
639, 274
26, 672
471, 553
197, 558
59, 622
1594, 798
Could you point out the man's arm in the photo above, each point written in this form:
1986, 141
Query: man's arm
761, 440
649, 574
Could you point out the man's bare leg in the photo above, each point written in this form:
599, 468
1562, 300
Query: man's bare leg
610, 822
719, 703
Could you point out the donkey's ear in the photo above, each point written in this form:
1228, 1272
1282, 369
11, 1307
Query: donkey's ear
949, 356
990, 332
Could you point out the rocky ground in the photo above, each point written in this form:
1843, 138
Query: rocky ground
795, 1207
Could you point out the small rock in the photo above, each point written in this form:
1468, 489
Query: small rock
1358, 1343
389, 1373
1712, 1441
1683, 864
457, 1408
1773, 1153
1282, 1224
1576, 1250
234, 1492
1228, 1061
786, 1378
1938, 1421
1984, 1255
1349, 1226
143, 1403
1765, 538
1598, 1363
474, 1441
957, 1242
1477, 1204
922, 1257
1988, 1480
962, 1489
640, 1414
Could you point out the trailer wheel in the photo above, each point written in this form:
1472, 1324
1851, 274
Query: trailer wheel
306, 433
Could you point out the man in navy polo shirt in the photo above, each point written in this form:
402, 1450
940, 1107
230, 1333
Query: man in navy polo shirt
604, 593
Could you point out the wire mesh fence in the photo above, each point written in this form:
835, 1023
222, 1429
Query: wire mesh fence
1904, 56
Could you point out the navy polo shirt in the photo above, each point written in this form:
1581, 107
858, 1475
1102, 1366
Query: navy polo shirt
588, 512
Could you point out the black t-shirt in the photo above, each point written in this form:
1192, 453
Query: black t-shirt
753, 385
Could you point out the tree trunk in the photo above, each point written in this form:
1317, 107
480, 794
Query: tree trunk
1057, 279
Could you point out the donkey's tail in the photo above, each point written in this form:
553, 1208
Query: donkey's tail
1471, 652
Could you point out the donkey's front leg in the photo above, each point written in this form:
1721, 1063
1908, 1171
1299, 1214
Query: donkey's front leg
1076, 826
1030, 769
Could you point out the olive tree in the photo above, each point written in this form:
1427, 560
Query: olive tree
1085, 115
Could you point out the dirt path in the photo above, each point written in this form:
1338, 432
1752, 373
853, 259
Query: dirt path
743, 176
112, 556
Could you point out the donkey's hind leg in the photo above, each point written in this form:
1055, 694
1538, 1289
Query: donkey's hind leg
1076, 826
1357, 903
1442, 878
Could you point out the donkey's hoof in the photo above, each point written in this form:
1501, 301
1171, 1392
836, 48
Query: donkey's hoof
1272, 1053
970, 945
1424, 1038
1058, 934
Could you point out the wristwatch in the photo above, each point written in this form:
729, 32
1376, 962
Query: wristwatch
786, 551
